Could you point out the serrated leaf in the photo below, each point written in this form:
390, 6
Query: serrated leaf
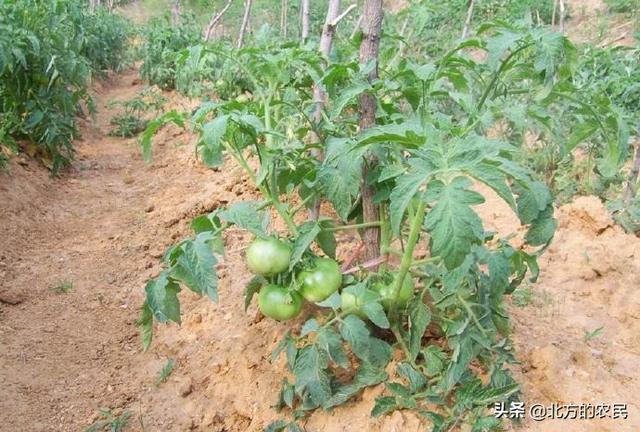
434, 360
251, 288
162, 298
366, 375
245, 215
339, 176
490, 395
307, 233
311, 374
154, 126
384, 405
375, 312
195, 266
419, 319
327, 239
487, 173
276, 426
356, 333
403, 192
452, 223
210, 143
416, 380
309, 327
334, 301
542, 228
145, 324
348, 95
281, 346
380, 352
409, 134
330, 342
533, 198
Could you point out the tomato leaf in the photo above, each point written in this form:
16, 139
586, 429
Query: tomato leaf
162, 298
375, 312
154, 126
251, 288
311, 374
245, 215
308, 232
334, 301
405, 189
309, 326
329, 341
326, 239
453, 225
366, 375
145, 324
348, 95
416, 380
419, 319
542, 228
384, 405
195, 266
339, 176
210, 143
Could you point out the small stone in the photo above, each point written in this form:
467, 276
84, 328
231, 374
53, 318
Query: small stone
150, 208
186, 388
11, 298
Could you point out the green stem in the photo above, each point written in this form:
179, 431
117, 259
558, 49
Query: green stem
354, 226
426, 261
303, 203
472, 314
396, 332
385, 233
282, 211
407, 259
494, 80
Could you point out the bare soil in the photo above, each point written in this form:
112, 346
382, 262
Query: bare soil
103, 227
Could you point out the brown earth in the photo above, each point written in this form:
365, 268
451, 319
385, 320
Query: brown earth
104, 225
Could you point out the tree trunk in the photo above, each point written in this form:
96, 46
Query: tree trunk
214, 20
175, 12
562, 16
319, 96
467, 22
283, 18
305, 20
245, 22
553, 13
369, 47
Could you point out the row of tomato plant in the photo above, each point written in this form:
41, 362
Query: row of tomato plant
48, 53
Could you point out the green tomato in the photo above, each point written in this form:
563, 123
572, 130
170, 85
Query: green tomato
278, 303
268, 257
387, 295
321, 280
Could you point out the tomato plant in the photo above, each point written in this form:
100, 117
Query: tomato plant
443, 310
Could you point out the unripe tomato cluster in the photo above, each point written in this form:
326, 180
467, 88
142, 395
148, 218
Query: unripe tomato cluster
270, 257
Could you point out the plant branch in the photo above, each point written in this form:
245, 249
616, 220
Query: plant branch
407, 259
